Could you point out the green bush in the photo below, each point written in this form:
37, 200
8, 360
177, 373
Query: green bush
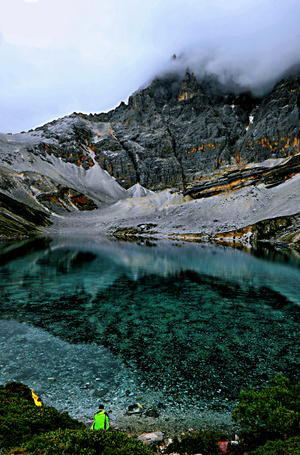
275, 410
19, 389
21, 419
204, 442
85, 442
289, 446
268, 415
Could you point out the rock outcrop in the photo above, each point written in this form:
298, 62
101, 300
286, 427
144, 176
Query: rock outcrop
18, 219
177, 133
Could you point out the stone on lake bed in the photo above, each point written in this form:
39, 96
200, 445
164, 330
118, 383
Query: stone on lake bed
134, 409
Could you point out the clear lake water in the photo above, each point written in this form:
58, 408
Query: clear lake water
150, 330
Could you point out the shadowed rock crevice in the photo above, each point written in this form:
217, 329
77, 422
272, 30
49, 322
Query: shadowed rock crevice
20, 219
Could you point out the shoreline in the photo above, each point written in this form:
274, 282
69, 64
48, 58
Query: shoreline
172, 426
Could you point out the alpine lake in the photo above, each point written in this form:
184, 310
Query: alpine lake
166, 335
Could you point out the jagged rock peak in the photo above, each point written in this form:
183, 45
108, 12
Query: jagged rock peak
189, 87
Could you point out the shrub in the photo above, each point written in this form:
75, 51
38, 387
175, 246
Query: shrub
275, 410
289, 446
204, 442
19, 389
20, 419
270, 414
85, 442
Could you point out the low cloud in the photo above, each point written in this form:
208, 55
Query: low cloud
60, 56
252, 47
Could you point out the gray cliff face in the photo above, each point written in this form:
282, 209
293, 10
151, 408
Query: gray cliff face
194, 136
177, 133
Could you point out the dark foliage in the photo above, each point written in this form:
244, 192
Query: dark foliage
271, 414
289, 446
204, 442
85, 442
21, 419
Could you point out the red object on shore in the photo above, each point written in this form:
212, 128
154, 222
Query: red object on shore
223, 446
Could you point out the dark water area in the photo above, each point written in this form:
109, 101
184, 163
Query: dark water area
172, 326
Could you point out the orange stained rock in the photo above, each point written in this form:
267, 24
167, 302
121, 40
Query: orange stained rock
186, 96
80, 199
234, 233
286, 145
136, 106
183, 96
202, 147
268, 143
112, 133
265, 142
222, 188
296, 238
296, 142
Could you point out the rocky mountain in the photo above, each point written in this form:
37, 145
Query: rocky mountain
194, 138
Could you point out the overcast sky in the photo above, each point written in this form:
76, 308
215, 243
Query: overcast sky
61, 56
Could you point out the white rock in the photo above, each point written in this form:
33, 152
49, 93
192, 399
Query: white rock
150, 438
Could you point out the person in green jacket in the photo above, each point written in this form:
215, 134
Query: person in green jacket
101, 419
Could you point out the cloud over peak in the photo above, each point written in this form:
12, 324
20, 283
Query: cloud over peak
58, 56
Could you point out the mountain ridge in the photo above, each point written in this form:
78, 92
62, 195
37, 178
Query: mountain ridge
190, 136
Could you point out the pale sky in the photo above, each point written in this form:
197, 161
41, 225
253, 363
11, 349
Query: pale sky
61, 56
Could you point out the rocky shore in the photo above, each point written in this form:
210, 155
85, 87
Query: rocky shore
234, 219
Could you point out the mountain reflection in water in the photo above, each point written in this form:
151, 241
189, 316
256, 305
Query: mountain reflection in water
195, 322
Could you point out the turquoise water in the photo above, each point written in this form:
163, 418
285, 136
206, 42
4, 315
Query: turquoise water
187, 321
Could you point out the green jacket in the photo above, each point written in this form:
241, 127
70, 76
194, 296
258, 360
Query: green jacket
101, 421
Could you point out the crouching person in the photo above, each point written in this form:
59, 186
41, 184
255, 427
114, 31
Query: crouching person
101, 419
